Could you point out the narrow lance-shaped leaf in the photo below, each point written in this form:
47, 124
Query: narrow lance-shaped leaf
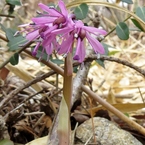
122, 31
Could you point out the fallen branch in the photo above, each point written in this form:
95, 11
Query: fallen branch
118, 60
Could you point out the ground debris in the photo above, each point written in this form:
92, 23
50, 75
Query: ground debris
3, 129
106, 133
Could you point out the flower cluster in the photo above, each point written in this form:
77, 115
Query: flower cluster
58, 30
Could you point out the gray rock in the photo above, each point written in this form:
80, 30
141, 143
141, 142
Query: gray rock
106, 133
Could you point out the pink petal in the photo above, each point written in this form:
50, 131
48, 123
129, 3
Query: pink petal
34, 52
80, 51
56, 45
48, 32
52, 12
62, 30
32, 35
95, 31
49, 49
43, 20
66, 45
79, 24
46, 42
63, 8
97, 46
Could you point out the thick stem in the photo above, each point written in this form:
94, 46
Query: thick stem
68, 78
64, 110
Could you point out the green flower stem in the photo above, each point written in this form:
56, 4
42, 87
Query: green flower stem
64, 111
67, 85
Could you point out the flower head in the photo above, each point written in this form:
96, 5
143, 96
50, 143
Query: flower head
54, 24
79, 33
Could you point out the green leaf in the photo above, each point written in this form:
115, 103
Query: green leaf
100, 62
9, 33
137, 24
14, 60
14, 2
6, 142
106, 47
81, 11
127, 114
57, 61
140, 12
75, 69
113, 52
127, 1
122, 31
14, 41
2, 27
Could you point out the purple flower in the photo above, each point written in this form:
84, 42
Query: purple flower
79, 33
59, 30
42, 26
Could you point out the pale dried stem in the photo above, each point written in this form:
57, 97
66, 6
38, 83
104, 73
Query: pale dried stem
114, 110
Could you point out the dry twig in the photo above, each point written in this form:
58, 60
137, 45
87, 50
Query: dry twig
118, 60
